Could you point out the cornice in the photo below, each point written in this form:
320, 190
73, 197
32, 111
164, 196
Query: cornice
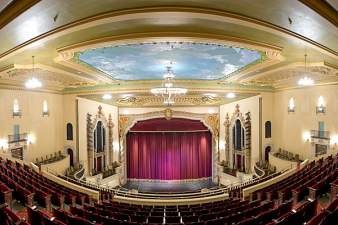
153, 12
14, 9
324, 9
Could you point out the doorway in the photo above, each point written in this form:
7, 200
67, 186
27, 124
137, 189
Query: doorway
71, 156
267, 151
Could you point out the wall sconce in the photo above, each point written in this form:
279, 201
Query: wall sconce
16, 109
45, 111
334, 140
320, 105
3, 144
307, 136
31, 139
291, 106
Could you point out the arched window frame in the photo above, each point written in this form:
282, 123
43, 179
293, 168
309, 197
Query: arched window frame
69, 131
99, 137
268, 129
238, 137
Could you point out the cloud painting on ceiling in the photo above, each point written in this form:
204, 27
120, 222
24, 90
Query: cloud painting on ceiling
189, 61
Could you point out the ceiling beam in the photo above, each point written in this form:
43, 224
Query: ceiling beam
324, 9
14, 9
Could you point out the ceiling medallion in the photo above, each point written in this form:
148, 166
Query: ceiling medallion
167, 90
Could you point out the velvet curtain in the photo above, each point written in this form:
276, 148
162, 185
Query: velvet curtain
169, 156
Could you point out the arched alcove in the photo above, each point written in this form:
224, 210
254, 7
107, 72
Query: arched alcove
69, 132
267, 129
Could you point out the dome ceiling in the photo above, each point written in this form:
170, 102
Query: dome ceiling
189, 61
90, 48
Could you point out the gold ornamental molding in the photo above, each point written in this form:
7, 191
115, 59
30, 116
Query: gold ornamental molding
169, 12
286, 77
53, 78
151, 100
126, 121
68, 52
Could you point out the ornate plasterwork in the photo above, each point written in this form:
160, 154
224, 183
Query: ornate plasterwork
128, 121
151, 100
288, 75
51, 78
108, 151
229, 148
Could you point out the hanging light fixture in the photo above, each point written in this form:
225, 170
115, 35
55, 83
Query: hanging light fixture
167, 90
305, 81
33, 82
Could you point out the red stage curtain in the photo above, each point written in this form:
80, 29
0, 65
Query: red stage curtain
169, 156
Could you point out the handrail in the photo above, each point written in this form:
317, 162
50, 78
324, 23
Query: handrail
260, 170
79, 175
129, 193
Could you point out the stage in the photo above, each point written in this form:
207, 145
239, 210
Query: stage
169, 187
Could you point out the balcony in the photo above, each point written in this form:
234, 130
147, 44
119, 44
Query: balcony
17, 138
320, 134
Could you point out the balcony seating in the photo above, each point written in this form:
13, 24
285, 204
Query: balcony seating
5, 194
296, 185
8, 217
155, 219
29, 185
172, 219
273, 205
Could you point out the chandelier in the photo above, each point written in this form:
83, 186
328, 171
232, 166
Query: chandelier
167, 90
305, 81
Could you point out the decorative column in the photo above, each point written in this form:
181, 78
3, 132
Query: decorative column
90, 143
227, 139
248, 142
124, 122
110, 139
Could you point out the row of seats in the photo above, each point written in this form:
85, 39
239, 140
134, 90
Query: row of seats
8, 217
259, 210
300, 181
29, 185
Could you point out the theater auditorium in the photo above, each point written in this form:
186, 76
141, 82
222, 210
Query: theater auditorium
218, 112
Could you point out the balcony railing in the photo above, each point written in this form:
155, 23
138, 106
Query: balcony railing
17, 138
320, 134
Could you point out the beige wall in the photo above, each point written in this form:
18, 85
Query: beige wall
69, 116
87, 106
288, 129
47, 131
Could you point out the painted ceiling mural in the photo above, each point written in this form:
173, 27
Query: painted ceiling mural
189, 61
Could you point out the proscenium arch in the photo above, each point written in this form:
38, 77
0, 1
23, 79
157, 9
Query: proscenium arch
160, 114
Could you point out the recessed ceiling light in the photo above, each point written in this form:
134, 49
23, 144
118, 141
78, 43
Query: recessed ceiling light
106, 96
231, 95
306, 81
33, 83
